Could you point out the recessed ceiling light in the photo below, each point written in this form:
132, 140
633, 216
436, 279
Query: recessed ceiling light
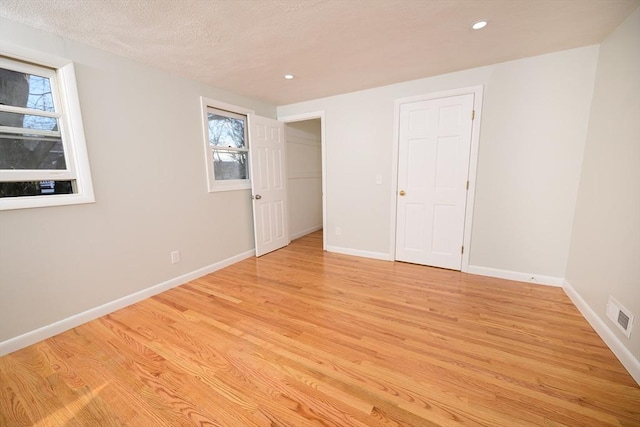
479, 24
288, 76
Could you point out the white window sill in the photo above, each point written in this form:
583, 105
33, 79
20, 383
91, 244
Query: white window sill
27, 202
230, 186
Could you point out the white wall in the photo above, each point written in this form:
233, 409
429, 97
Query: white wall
144, 138
534, 123
605, 246
304, 176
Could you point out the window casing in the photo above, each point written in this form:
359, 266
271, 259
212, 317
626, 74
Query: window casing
43, 158
225, 130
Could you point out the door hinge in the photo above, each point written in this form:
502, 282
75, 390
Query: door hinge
462, 250
467, 185
473, 114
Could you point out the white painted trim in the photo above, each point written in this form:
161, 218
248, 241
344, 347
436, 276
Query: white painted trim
71, 322
69, 94
65, 92
323, 150
477, 92
631, 363
214, 103
357, 252
29, 55
305, 232
395, 147
515, 275
214, 186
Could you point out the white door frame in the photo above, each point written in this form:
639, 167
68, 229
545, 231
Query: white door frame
311, 116
473, 163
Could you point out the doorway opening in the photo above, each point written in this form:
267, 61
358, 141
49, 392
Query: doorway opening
304, 137
304, 176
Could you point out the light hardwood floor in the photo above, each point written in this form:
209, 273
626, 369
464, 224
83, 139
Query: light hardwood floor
305, 338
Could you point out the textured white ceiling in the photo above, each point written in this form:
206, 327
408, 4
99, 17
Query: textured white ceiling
332, 46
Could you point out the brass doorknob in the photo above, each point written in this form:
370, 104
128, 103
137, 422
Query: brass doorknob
402, 193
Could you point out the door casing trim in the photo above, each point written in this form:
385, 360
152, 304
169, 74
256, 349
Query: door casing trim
310, 116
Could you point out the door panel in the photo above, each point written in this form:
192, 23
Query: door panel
268, 183
277, 180
433, 168
414, 220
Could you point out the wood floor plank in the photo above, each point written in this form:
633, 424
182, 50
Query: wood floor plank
302, 337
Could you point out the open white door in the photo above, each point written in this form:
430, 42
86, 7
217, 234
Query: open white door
268, 184
433, 169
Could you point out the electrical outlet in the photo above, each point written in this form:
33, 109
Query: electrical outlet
338, 231
175, 257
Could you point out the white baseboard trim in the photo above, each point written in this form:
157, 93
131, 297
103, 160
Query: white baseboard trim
32, 337
515, 275
305, 232
360, 253
631, 363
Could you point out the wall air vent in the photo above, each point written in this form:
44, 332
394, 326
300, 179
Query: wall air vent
620, 315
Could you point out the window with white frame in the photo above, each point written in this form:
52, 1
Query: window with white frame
226, 146
43, 159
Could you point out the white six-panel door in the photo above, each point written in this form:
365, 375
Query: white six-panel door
268, 184
433, 167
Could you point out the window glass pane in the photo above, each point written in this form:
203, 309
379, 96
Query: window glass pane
226, 131
229, 165
35, 188
28, 121
25, 90
24, 151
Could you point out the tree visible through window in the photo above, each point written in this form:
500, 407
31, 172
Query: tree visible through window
227, 139
40, 137
29, 141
